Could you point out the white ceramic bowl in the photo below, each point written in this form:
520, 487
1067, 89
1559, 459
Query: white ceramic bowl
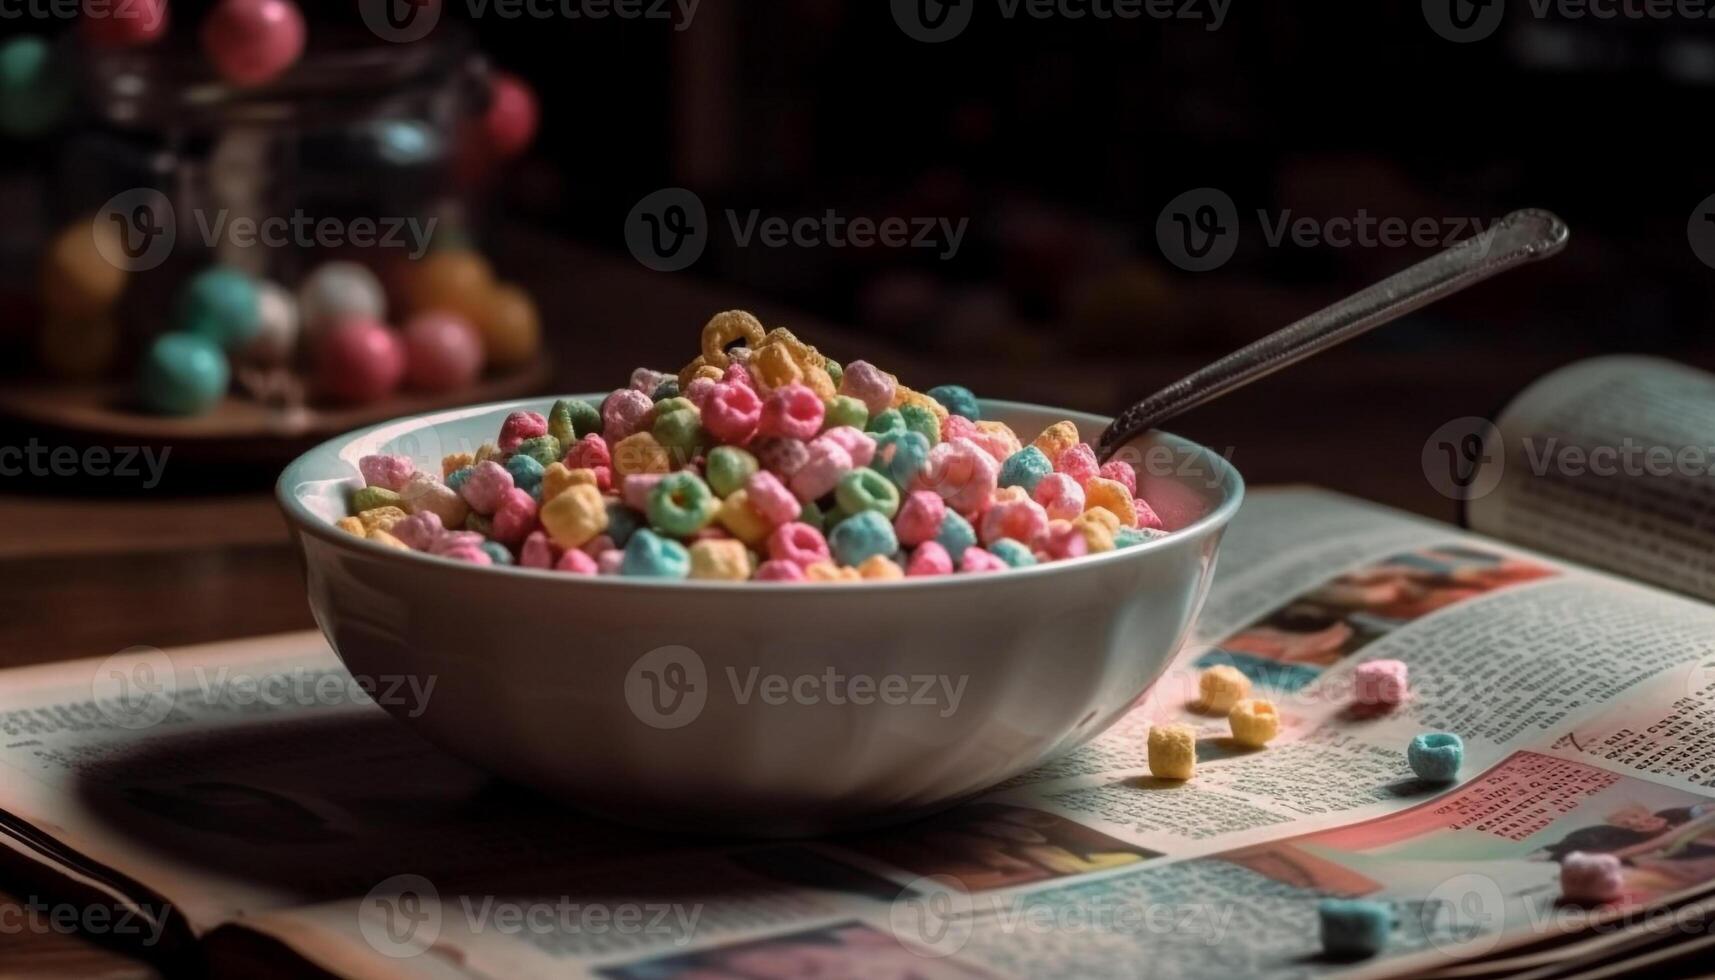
757, 708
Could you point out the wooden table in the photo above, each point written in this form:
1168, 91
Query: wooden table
86, 573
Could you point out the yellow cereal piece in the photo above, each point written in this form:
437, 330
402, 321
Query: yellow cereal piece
575, 516
383, 538
723, 329
1098, 527
1254, 722
486, 451
1006, 494
453, 462
351, 525
903, 396
1220, 688
1112, 496
1004, 432
639, 453
380, 519
827, 571
558, 476
739, 518
1056, 439
880, 568
1173, 751
774, 367
726, 559
425, 493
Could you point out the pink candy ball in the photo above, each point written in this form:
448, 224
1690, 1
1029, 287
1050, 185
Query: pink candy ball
359, 360
123, 23
1380, 682
443, 352
251, 42
512, 114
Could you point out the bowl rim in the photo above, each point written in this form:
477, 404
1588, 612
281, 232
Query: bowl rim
301, 519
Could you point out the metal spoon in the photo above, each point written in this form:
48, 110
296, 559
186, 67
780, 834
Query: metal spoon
1519, 238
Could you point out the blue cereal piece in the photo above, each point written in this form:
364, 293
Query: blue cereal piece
1127, 537
1436, 756
900, 456
1025, 468
622, 523
1354, 927
955, 535
888, 420
497, 552
957, 400
860, 536
456, 478
1012, 552
526, 472
649, 555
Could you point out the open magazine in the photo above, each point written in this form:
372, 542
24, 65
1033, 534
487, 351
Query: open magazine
269, 809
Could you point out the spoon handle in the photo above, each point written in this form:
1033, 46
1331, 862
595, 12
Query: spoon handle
1519, 238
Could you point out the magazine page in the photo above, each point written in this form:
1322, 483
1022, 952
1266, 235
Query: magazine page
1608, 462
271, 792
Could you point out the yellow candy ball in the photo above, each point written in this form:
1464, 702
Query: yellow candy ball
455, 280
511, 330
77, 279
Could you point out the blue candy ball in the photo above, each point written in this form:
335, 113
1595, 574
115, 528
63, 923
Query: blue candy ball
1025, 468
862, 536
222, 305
958, 400
182, 374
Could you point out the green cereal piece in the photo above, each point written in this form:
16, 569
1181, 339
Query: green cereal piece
665, 390
681, 431
676, 404
834, 370
812, 515
920, 420
571, 419
370, 498
681, 505
846, 410
543, 449
728, 468
888, 421
866, 490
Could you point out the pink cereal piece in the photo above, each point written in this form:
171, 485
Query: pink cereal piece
860, 446
1020, 520
588, 453
1380, 682
868, 384
515, 518
771, 500
1060, 495
957, 427
737, 374
386, 472
1060, 541
731, 413
647, 380
775, 570
520, 426
698, 391
1147, 518
608, 562
792, 411
782, 457
472, 554
624, 412
977, 560
487, 485
578, 563
998, 446
929, 559
1591, 878
826, 463
598, 544
634, 493
798, 543
964, 475
920, 517
419, 531
536, 551
603, 478
452, 540
1079, 463
1120, 472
